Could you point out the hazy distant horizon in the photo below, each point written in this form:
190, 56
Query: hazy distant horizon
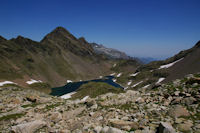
157, 29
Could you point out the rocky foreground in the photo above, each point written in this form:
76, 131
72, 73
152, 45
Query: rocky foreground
167, 108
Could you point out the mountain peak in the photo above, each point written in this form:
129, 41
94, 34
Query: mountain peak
59, 32
60, 29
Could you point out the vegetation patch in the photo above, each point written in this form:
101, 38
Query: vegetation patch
43, 87
30, 105
11, 116
49, 107
94, 89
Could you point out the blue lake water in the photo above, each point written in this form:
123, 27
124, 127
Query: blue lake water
70, 87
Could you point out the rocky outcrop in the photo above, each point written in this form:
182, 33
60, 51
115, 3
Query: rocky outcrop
29, 127
169, 108
165, 127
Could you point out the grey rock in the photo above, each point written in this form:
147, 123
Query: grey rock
29, 127
112, 130
98, 129
165, 127
188, 101
185, 127
178, 111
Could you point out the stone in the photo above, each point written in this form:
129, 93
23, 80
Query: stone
179, 120
193, 80
176, 100
15, 100
56, 117
185, 127
138, 131
139, 100
178, 111
100, 118
89, 103
198, 126
112, 130
176, 93
91, 113
188, 101
29, 127
65, 131
97, 129
95, 106
105, 129
31, 98
123, 124
165, 127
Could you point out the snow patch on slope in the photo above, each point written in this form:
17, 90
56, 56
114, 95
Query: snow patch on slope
68, 95
170, 64
160, 80
125, 88
129, 83
137, 84
112, 74
84, 99
114, 65
114, 80
32, 81
146, 86
69, 81
118, 75
134, 74
6, 82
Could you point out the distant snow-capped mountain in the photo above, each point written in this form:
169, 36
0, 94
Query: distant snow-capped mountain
109, 52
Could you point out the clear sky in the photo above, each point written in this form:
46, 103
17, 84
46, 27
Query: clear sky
144, 28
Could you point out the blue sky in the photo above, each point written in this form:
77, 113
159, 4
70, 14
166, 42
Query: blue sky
144, 28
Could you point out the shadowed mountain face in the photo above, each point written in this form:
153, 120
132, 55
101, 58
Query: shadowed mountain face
189, 64
152, 74
57, 58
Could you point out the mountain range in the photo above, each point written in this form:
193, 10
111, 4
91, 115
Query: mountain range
57, 58
60, 57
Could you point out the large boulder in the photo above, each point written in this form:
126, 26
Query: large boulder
178, 111
29, 127
165, 127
